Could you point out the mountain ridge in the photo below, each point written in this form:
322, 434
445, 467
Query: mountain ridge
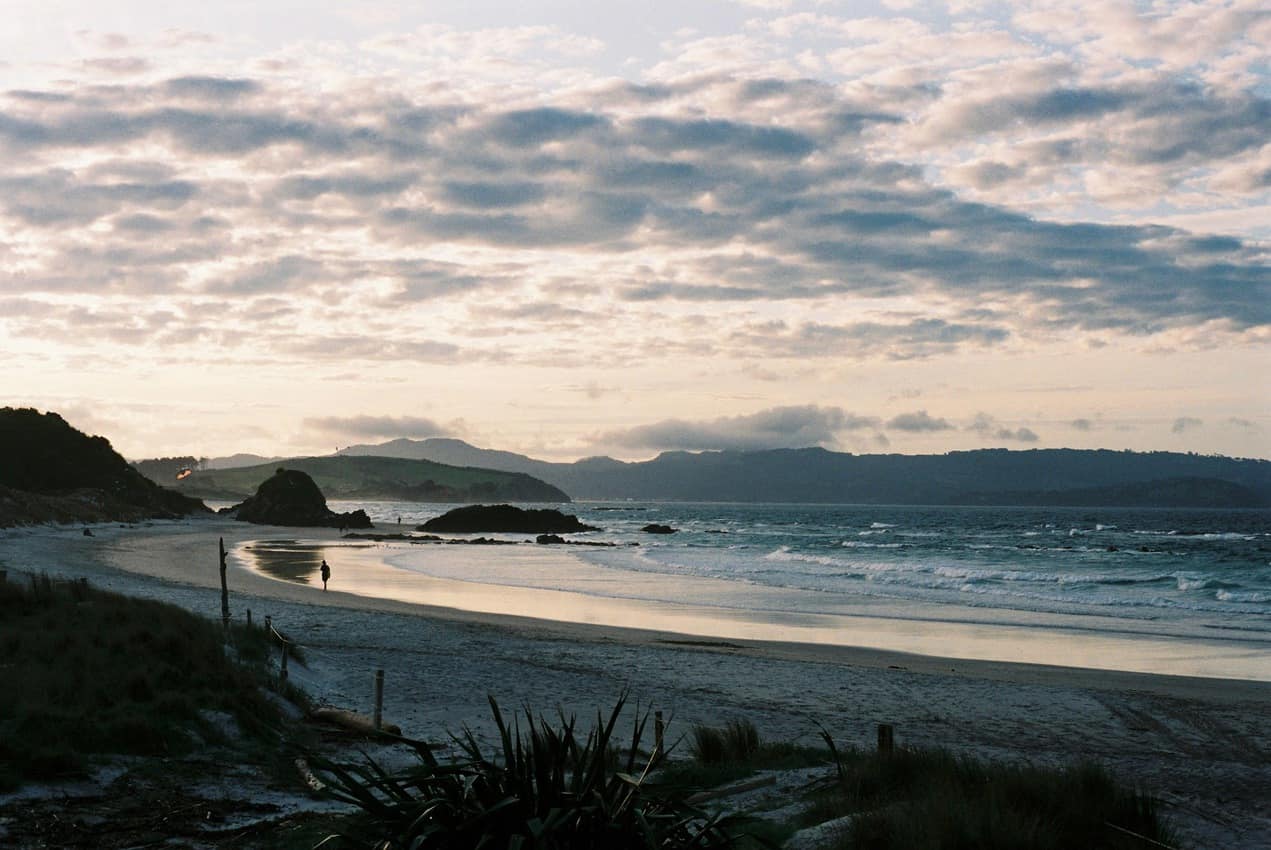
815, 474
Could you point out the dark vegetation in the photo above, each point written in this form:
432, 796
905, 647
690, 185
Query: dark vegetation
51, 472
351, 478
483, 518
932, 798
290, 497
87, 672
550, 786
984, 476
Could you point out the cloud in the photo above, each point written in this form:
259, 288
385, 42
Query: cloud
1081, 424
729, 197
918, 338
378, 427
988, 427
1185, 423
778, 427
917, 422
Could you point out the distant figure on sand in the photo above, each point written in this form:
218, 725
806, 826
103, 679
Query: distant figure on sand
326, 573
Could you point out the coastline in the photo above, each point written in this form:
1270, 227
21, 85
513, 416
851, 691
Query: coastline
1200, 744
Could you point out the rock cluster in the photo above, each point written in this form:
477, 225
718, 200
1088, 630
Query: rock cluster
485, 518
290, 497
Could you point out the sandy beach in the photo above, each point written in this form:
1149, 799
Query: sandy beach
1201, 745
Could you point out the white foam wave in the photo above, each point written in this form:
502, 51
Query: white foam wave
1243, 596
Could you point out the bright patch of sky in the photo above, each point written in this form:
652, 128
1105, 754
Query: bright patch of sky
570, 228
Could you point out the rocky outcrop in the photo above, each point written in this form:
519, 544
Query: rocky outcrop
290, 497
484, 518
655, 528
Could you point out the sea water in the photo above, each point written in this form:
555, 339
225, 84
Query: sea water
1195, 577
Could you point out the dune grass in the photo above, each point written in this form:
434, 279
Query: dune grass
917, 799
88, 672
733, 752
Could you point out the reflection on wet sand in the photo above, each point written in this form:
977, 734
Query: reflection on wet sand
364, 569
288, 560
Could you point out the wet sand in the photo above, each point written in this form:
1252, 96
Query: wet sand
1202, 745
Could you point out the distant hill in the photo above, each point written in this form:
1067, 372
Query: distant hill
986, 476
238, 460
51, 472
345, 477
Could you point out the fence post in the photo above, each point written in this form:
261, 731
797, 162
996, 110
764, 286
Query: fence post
269, 627
224, 588
659, 733
249, 618
282, 672
378, 716
886, 738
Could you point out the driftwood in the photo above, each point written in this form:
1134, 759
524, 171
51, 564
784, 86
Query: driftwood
353, 721
731, 790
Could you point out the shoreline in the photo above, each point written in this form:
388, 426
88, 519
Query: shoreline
550, 585
873, 657
1202, 746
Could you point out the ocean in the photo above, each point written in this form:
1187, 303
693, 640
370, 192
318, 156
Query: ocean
1175, 591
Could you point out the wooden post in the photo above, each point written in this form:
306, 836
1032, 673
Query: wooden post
224, 588
249, 618
282, 672
659, 734
886, 738
269, 627
378, 716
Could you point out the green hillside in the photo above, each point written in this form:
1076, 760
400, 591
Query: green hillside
378, 478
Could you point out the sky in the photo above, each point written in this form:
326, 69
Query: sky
569, 229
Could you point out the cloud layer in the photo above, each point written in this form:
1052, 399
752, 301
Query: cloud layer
804, 189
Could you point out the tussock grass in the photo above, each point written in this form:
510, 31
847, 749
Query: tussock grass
935, 799
90, 672
736, 741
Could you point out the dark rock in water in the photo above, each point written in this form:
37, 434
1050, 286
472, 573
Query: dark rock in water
88, 532
408, 538
290, 497
654, 528
478, 518
549, 538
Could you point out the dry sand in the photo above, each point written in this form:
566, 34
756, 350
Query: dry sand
1203, 746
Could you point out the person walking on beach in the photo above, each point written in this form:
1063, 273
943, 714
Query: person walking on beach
326, 573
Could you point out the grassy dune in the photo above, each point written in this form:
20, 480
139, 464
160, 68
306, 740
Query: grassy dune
87, 672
